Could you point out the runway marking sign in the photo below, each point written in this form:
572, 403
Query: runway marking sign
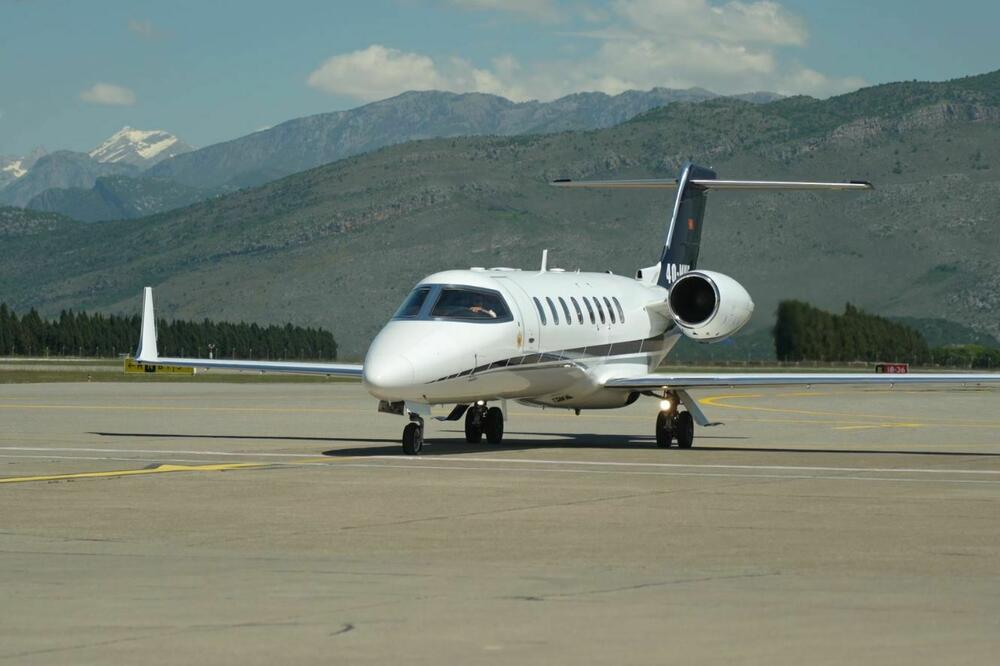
131, 366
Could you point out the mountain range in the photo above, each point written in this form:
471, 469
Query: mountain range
303, 143
341, 244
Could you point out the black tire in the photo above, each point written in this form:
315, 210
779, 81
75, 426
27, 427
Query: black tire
684, 425
664, 434
413, 439
493, 425
474, 425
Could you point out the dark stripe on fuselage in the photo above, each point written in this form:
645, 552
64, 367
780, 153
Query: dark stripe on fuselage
603, 350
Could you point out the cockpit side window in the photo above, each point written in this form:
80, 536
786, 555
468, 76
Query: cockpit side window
611, 310
590, 310
469, 304
579, 312
413, 303
541, 310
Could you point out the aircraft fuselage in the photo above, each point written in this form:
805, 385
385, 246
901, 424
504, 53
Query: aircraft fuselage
554, 339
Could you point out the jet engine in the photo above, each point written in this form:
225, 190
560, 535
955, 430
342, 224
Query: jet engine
709, 306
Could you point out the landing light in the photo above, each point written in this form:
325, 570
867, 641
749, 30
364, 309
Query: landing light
665, 405
480, 402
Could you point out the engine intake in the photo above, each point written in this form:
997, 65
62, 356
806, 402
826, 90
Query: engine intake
709, 306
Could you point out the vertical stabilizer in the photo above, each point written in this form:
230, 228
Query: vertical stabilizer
680, 250
147, 335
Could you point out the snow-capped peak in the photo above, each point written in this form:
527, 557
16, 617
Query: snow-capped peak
15, 168
142, 148
12, 167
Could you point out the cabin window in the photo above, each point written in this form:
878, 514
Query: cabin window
600, 310
413, 303
569, 318
593, 319
579, 312
611, 310
469, 304
552, 306
541, 310
621, 313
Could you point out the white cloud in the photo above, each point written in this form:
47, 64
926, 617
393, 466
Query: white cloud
729, 48
108, 94
760, 22
732, 47
378, 72
143, 27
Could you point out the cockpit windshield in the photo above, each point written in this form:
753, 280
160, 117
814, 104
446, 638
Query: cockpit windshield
469, 304
413, 303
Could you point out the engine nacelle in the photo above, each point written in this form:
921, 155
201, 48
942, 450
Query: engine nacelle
709, 306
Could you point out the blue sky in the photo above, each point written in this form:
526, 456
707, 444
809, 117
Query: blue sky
72, 73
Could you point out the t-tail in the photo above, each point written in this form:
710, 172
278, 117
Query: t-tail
683, 237
680, 248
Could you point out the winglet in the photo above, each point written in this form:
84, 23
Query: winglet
147, 337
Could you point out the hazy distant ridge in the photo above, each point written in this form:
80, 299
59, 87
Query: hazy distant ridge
303, 143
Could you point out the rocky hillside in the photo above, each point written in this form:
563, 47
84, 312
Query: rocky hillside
20, 223
340, 245
118, 198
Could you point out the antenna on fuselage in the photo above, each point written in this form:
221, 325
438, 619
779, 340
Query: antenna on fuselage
545, 261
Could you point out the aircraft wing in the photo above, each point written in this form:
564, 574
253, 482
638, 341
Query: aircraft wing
680, 382
732, 380
147, 353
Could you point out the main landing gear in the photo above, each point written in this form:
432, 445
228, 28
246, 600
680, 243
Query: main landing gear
480, 420
673, 424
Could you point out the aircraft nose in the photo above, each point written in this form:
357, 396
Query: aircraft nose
384, 372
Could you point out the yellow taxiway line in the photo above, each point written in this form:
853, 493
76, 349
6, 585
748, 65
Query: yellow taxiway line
160, 469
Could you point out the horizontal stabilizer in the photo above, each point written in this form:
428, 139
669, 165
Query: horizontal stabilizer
671, 183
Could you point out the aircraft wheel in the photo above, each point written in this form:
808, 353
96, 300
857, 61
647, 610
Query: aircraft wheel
684, 424
493, 425
413, 439
664, 434
473, 425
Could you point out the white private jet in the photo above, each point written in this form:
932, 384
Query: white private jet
569, 340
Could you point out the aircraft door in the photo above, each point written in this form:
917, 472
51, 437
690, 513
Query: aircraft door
527, 318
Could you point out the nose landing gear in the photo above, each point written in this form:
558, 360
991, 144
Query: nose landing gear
671, 424
480, 420
413, 437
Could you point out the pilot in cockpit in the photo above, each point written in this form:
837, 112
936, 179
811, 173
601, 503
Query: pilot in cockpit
478, 308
